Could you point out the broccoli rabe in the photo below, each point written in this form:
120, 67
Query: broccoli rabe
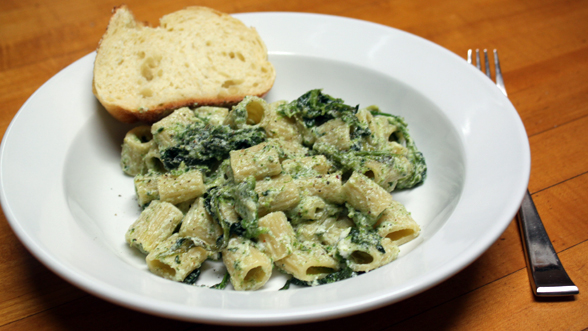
192, 277
200, 144
215, 199
336, 276
223, 284
366, 237
246, 205
218, 176
241, 198
361, 220
314, 108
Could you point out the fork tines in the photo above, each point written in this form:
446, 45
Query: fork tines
498, 72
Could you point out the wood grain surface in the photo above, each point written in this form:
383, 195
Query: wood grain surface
544, 53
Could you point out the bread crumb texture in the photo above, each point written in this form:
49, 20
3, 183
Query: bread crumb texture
195, 55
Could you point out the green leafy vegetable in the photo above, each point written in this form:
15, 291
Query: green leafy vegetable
286, 285
215, 199
200, 144
314, 108
223, 284
246, 205
330, 278
367, 237
192, 277
361, 220
243, 198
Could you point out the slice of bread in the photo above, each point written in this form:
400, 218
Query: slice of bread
196, 55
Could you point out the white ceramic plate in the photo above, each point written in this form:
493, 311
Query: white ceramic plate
66, 198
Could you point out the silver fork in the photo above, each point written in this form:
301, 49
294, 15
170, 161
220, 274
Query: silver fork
548, 276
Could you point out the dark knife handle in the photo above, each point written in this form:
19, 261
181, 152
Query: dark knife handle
548, 276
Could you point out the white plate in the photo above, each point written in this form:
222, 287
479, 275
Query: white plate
66, 198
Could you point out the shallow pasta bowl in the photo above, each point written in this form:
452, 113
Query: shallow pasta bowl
67, 200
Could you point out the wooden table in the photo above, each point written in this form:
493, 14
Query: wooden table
544, 53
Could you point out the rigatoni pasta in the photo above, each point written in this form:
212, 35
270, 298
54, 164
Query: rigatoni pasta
179, 188
397, 225
165, 130
278, 193
175, 258
334, 132
309, 262
278, 239
366, 196
259, 161
278, 126
197, 223
137, 143
301, 186
156, 223
249, 268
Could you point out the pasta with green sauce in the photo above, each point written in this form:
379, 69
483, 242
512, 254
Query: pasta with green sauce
302, 186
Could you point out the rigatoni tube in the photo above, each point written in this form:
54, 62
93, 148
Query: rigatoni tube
175, 258
248, 267
156, 223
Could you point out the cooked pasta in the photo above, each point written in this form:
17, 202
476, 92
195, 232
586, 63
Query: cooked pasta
301, 186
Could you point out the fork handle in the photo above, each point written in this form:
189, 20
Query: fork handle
548, 276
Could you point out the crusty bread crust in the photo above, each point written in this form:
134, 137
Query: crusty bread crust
135, 64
